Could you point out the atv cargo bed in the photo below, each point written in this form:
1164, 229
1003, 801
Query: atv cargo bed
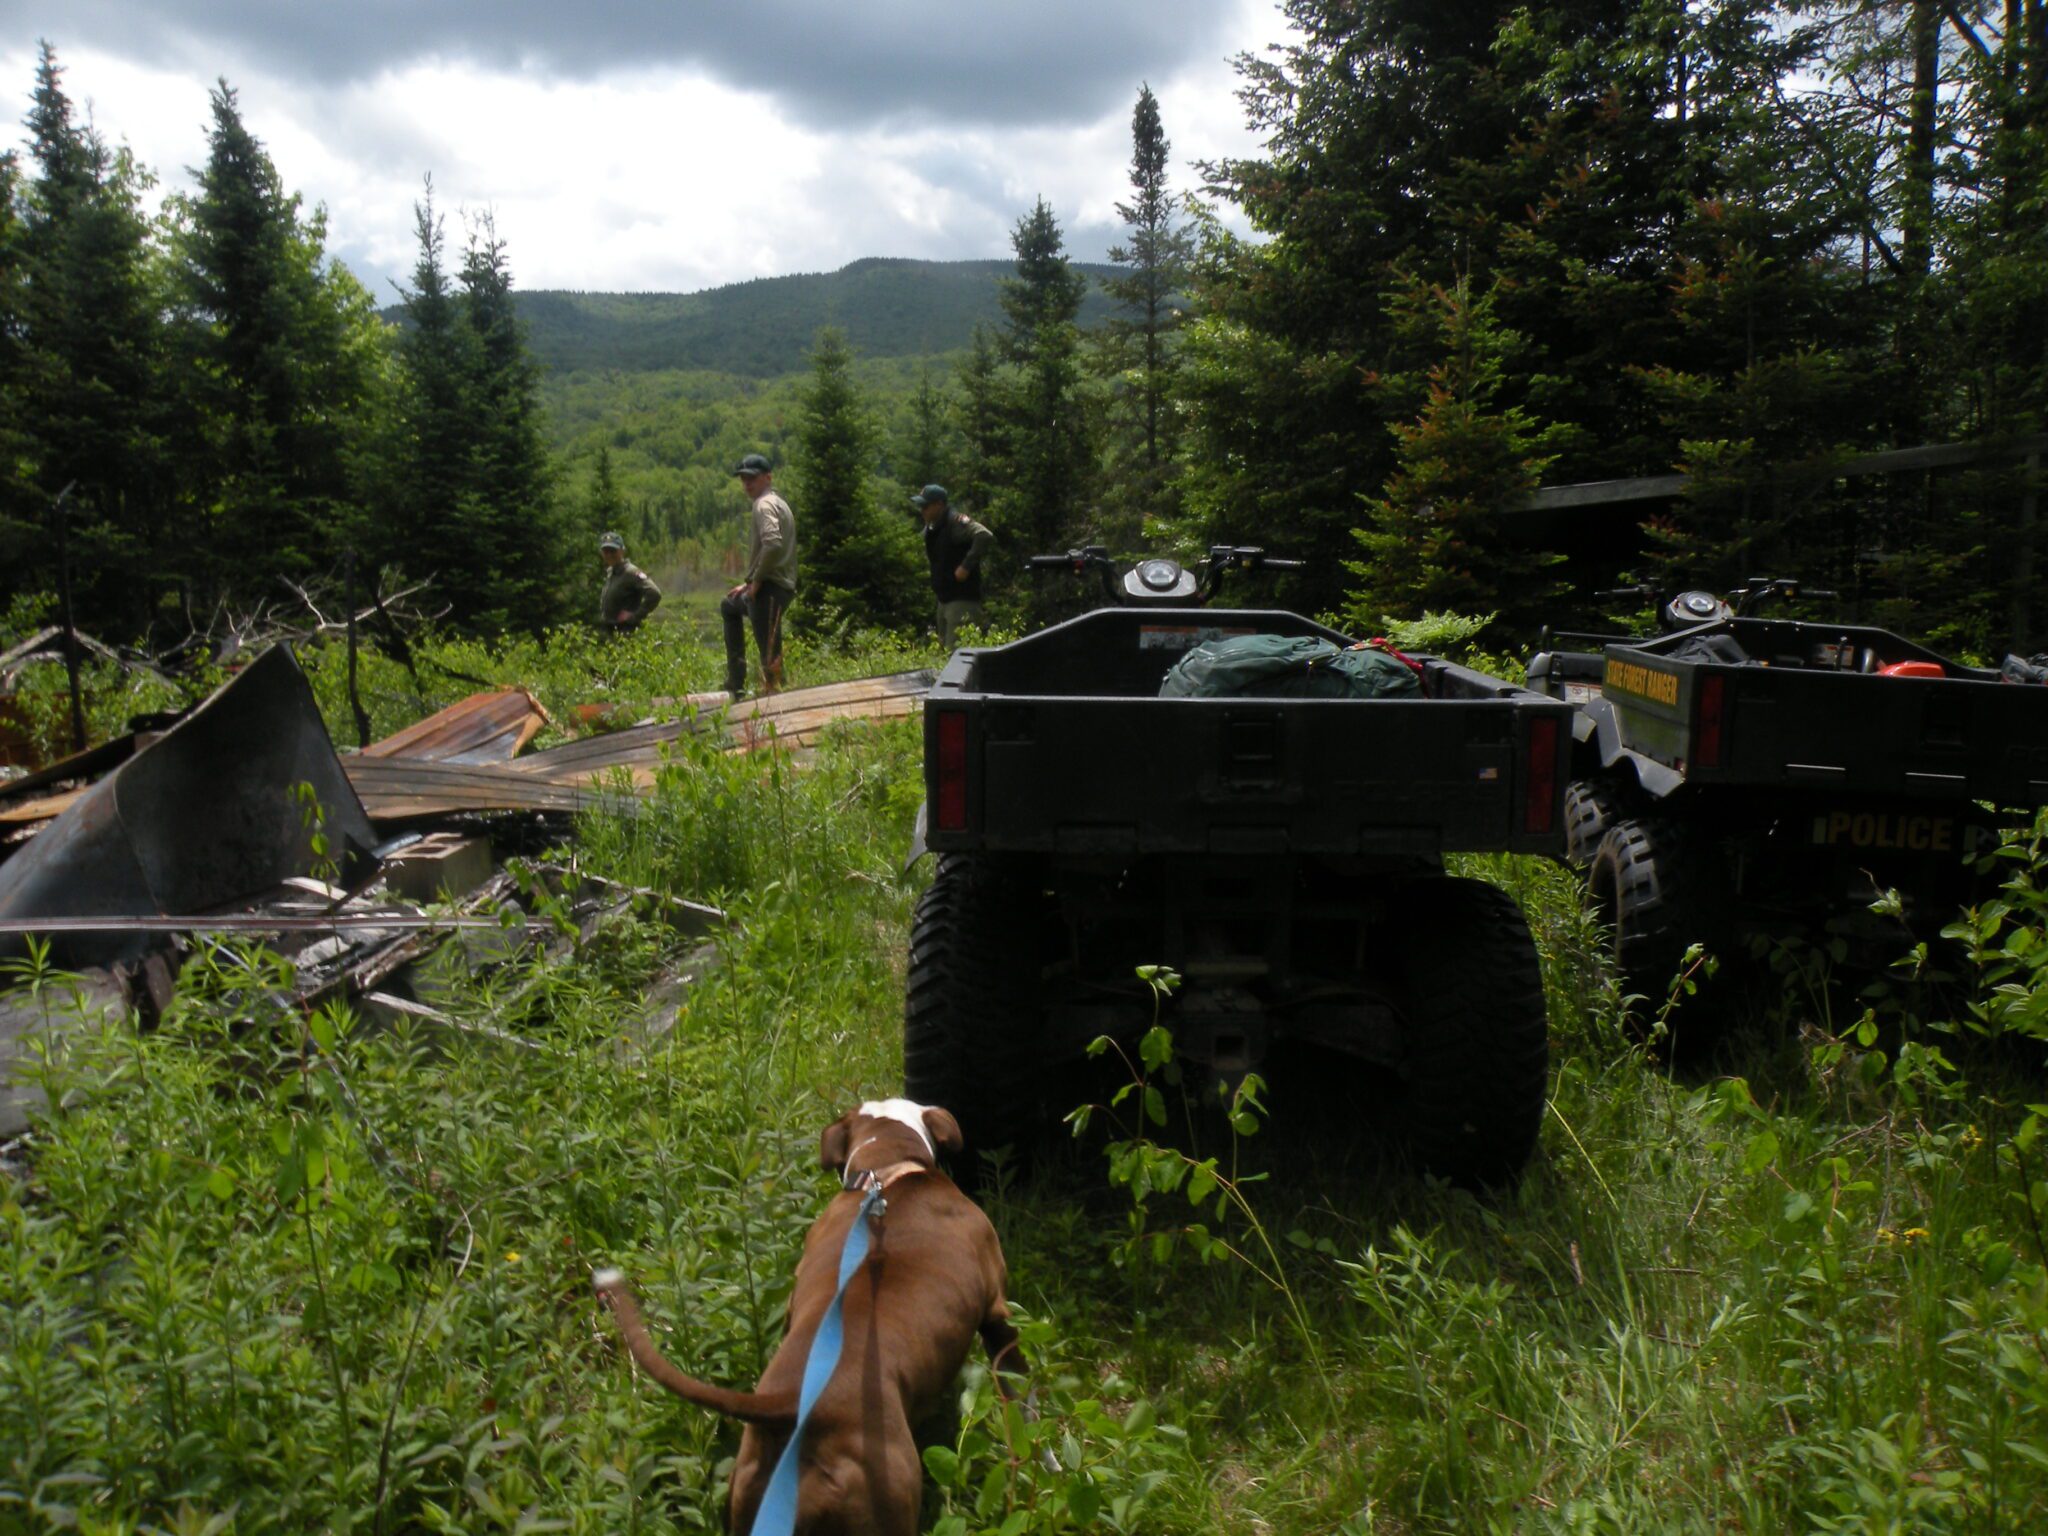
1058, 744
1794, 716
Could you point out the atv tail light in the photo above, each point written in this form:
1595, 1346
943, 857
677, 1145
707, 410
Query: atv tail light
952, 797
1709, 737
1539, 803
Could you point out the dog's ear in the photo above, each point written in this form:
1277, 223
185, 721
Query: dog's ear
834, 1146
943, 1129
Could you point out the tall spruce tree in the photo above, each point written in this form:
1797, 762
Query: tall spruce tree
1433, 542
860, 564
435, 524
922, 452
1580, 162
979, 418
1046, 460
20, 517
94, 386
1135, 348
606, 509
524, 538
279, 355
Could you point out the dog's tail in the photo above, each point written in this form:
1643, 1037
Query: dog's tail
772, 1410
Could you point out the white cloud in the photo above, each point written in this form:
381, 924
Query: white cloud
657, 177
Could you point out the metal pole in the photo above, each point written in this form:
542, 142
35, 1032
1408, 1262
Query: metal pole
62, 507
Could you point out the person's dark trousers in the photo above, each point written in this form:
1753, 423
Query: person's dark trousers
766, 608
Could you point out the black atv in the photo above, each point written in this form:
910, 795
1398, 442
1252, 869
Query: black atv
1737, 776
1283, 854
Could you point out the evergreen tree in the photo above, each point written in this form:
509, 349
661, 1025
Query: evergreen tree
859, 564
1990, 541
922, 451
1046, 456
1593, 166
1135, 349
19, 510
607, 507
980, 422
523, 534
436, 524
1433, 542
281, 359
93, 383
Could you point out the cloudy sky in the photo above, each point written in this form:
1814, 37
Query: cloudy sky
666, 144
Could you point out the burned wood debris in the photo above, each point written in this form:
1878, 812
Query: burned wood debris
369, 872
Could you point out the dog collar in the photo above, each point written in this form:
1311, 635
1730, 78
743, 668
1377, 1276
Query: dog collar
851, 1177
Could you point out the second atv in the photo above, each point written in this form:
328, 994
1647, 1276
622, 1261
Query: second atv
1738, 774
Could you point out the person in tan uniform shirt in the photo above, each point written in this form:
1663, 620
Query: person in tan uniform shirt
764, 596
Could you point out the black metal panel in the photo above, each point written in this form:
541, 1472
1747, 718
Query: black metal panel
204, 816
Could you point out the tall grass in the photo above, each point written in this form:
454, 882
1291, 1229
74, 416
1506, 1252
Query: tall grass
266, 1271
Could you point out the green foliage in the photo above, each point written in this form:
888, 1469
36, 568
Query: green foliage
471, 502
1741, 239
285, 366
1443, 634
322, 1274
1135, 346
858, 557
1435, 538
97, 402
1030, 408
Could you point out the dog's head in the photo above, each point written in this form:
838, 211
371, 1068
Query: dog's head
890, 1131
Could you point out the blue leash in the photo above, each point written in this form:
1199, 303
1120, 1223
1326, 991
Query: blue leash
777, 1514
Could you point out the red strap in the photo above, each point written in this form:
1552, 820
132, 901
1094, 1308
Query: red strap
1380, 643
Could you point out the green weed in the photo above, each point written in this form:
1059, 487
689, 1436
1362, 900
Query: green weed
265, 1270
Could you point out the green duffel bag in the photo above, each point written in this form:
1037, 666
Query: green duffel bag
1286, 667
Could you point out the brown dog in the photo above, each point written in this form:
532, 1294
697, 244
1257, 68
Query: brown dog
934, 1278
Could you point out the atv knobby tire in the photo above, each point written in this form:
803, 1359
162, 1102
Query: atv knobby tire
1589, 810
1653, 884
972, 1032
1475, 1044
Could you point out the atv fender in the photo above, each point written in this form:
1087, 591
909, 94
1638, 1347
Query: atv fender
918, 847
1655, 779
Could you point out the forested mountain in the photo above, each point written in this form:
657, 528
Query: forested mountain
764, 328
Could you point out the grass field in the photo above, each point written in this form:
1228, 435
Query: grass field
264, 1272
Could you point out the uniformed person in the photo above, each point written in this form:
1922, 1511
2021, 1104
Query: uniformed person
954, 545
629, 593
770, 585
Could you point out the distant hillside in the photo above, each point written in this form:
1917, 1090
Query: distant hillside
887, 307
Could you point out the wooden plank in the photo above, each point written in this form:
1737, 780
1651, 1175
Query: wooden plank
806, 727
1606, 493
30, 812
89, 764
1602, 493
483, 728
398, 789
638, 749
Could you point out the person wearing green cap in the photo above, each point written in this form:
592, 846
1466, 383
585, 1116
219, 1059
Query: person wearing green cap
770, 584
629, 593
954, 544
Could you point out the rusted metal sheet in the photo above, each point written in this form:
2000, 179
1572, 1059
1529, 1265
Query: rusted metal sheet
796, 716
89, 764
407, 789
483, 728
205, 815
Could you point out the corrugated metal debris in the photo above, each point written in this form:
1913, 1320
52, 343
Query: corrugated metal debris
130, 857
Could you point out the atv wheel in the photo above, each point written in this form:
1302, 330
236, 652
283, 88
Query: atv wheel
1475, 1040
1653, 886
1589, 810
971, 1025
